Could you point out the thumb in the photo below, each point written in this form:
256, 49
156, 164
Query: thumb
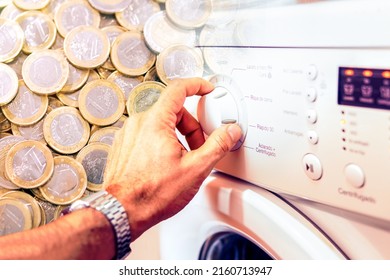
219, 143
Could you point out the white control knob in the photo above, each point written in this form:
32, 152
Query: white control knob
223, 105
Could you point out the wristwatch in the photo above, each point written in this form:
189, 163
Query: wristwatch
114, 212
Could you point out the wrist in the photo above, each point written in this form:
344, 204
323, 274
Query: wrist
114, 212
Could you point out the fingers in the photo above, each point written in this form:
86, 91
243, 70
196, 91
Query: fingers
191, 129
217, 145
173, 97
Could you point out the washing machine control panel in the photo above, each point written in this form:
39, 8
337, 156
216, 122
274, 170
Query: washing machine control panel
315, 116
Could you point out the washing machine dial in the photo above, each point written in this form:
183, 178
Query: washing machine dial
224, 105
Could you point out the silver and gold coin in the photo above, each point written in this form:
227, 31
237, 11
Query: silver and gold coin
74, 13
158, 26
10, 11
29, 132
52, 7
76, 79
151, 75
11, 39
31, 4
125, 83
134, 16
7, 143
65, 130
130, 55
179, 61
189, 14
39, 31
68, 183
4, 3
72, 99
104, 135
8, 84
87, 47
26, 108
144, 96
101, 102
46, 71
93, 157
31, 203
109, 7
14, 216
112, 31
17, 63
29, 164
53, 104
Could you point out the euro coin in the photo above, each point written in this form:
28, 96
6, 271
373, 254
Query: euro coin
101, 102
130, 55
179, 61
65, 130
144, 96
87, 47
39, 30
151, 75
134, 16
191, 15
31, 203
156, 31
77, 78
72, 99
8, 84
11, 39
4, 3
10, 12
30, 132
29, 164
52, 8
109, 7
17, 63
93, 157
112, 32
26, 108
14, 216
7, 143
31, 4
104, 135
68, 183
46, 71
74, 13
125, 83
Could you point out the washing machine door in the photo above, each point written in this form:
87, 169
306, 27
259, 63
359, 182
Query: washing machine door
232, 219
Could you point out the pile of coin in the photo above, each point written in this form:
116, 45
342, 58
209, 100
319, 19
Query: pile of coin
70, 74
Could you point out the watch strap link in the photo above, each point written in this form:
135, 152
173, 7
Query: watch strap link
116, 214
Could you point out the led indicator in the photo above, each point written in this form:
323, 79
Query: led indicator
367, 73
386, 74
343, 122
349, 72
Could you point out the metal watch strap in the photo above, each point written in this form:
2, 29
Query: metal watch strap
115, 213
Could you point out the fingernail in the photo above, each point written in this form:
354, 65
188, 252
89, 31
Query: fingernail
234, 131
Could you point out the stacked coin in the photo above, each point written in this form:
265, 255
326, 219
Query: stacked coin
70, 74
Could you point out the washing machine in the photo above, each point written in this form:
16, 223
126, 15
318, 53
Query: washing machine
309, 85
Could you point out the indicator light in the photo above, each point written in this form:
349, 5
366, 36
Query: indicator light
349, 72
386, 74
343, 122
367, 73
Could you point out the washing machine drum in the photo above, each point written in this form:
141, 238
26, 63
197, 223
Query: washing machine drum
231, 246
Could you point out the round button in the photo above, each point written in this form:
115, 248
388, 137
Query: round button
354, 175
311, 94
312, 167
311, 116
312, 136
311, 72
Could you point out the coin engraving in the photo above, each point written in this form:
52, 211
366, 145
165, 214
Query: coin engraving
29, 164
